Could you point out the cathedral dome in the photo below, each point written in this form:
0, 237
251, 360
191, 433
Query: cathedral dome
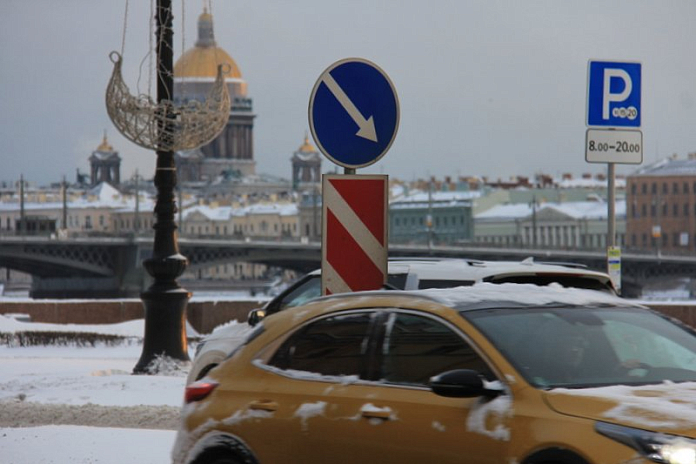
202, 60
104, 146
306, 146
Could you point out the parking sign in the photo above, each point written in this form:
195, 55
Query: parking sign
614, 93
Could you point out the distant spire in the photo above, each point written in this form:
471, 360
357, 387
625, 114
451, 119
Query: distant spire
105, 144
205, 30
307, 147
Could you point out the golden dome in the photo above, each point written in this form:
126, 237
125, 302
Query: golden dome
203, 59
203, 62
105, 145
306, 146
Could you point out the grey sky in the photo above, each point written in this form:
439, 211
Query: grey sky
491, 88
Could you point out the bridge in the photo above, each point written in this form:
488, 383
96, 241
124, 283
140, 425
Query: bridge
110, 267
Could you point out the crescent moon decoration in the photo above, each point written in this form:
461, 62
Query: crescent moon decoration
141, 120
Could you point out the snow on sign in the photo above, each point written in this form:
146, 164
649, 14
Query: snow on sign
354, 233
354, 113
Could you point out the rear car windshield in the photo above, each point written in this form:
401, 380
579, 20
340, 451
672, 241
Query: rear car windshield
567, 281
443, 283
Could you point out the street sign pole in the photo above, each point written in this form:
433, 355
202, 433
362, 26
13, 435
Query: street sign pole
611, 227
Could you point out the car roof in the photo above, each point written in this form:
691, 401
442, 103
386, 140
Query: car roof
479, 270
467, 298
432, 268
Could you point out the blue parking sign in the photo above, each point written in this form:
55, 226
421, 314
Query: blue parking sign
613, 95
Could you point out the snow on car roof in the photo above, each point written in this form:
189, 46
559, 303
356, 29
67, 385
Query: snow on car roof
475, 270
513, 294
525, 294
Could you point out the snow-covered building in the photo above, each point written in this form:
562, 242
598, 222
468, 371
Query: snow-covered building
443, 217
102, 210
261, 221
569, 225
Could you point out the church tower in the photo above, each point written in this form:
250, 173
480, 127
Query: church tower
306, 167
232, 152
105, 165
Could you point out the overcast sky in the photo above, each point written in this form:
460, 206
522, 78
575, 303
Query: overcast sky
492, 88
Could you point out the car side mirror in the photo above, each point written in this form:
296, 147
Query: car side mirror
256, 316
461, 383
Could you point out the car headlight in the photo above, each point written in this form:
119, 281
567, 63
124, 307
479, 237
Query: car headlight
658, 447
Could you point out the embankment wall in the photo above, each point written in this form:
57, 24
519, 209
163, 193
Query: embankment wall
204, 316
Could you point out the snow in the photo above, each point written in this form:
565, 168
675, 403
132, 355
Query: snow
81, 404
485, 411
77, 445
664, 406
309, 410
439, 427
522, 293
305, 375
573, 209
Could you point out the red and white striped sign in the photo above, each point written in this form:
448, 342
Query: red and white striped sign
354, 233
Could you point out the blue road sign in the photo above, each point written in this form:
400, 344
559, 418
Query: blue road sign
613, 94
354, 113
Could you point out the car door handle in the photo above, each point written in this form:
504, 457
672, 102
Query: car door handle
377, 414
263, 405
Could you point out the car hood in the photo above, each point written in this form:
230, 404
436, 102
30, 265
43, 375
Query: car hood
667, 407
230, 330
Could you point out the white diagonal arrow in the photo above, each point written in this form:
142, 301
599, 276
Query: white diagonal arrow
367, 126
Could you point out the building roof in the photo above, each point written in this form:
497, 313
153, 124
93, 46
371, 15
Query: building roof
668, 167
306, 147
202, 60
105, 146
224, 213
101, 196
439, 199
572, 209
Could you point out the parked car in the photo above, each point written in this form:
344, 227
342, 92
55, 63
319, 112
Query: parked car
482, 374
403, 274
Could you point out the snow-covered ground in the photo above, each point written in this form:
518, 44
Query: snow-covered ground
69, 404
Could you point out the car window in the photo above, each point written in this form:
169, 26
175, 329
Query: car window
334, 346
305, 291
641, 346
586, 347
416, 348
397, 281
443, 283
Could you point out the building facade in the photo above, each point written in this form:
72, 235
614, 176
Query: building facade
571, 225
105, 165
439, 218
194, 74
306, 167
661, 206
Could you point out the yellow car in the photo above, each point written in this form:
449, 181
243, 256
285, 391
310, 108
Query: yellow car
511, 373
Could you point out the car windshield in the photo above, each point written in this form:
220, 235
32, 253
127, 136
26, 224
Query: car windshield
576, 347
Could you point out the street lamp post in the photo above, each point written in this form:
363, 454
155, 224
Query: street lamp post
164, 301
